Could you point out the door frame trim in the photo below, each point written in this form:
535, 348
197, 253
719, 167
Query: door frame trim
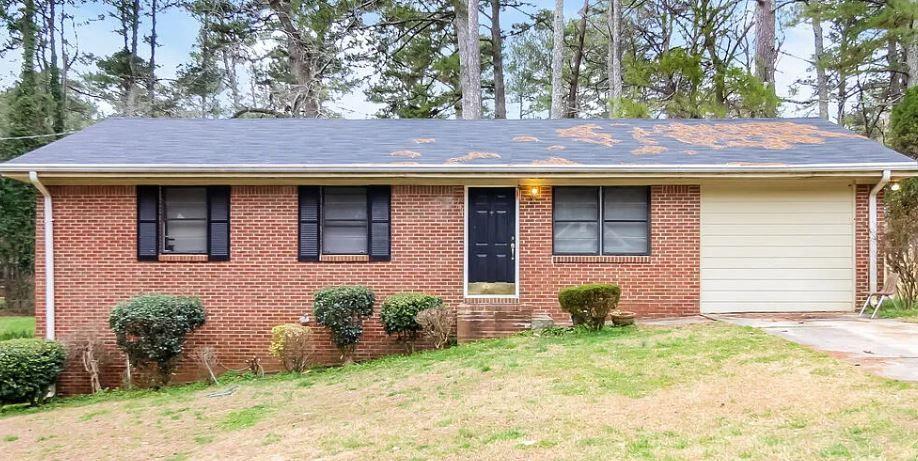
465, 243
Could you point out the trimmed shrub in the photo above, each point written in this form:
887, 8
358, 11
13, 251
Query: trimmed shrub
590, 304
342, 310
151, 330
292, 344
28, 368
437, 324
398, 315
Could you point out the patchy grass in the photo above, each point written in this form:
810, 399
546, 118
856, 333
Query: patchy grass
700, 391
896, 310
16, 327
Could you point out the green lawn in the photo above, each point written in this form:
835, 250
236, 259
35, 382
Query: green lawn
896, 310
16, 327
707, 391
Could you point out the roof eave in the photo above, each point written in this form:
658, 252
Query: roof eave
900, 168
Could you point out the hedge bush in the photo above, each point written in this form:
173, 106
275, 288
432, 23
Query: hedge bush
342, 310
151, 329
292, 344
28, 368
398, 314
590, 304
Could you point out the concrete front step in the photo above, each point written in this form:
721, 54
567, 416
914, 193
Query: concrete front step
480, 320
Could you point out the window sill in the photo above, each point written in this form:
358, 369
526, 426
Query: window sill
177, 258
620, 259
344, 258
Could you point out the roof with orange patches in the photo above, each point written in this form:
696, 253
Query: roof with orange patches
472, 156
193, 145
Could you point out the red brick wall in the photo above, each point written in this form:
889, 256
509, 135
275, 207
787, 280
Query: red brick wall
862, 242
264, 285
666, 283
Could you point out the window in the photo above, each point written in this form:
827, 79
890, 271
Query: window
344, 221
184, 219
601, 220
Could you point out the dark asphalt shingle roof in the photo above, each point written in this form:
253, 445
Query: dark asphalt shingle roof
406, 143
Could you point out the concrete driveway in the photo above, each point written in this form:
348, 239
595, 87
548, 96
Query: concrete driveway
886, 347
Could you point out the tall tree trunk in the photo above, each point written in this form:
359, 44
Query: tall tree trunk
822, 86
305, 100
131, 103
614, 20
842, 75
912, 56
65, 61
461, 24
765, 52
557, 56
474, 64
894, 87
57, 117
497, 59
151, 82
229, 65
572, 107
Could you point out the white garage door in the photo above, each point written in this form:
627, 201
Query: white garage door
782, 247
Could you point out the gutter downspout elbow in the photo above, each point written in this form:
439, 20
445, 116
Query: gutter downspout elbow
872, 228
49, 255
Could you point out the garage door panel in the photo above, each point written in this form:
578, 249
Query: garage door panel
777, 247
799, 284
775, 263
816, 217
780, 296
770, 252
787, 241
811, 306
778, 207
775, 228
737, 274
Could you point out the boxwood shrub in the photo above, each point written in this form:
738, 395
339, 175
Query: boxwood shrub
342, 310
398, 315
151, 329
590, 304
28, 368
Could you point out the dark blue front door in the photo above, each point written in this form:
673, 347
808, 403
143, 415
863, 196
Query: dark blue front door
492, 234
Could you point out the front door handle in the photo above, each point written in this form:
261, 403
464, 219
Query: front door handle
512, 251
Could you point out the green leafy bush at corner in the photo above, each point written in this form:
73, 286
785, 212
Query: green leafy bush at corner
342, 310
590, 304
292, 344
151, 329
28, 368
398, 314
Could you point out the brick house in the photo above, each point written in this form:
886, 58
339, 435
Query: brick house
253, 216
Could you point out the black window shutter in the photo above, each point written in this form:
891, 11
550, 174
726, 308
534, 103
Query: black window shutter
378, 199
309, 223
147, 223
218, 223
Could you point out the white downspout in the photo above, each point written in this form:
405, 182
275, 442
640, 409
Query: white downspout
872, 226
49, 255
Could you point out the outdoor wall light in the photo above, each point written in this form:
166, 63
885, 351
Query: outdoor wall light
895, 186
535, 192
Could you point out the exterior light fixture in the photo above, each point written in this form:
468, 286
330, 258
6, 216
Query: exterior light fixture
535, 192
895, 186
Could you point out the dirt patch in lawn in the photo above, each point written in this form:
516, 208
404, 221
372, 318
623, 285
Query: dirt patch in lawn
699, 391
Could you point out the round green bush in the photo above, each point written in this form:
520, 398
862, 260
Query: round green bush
399, 311
342, 310
151, 329
590, 304
28, 368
